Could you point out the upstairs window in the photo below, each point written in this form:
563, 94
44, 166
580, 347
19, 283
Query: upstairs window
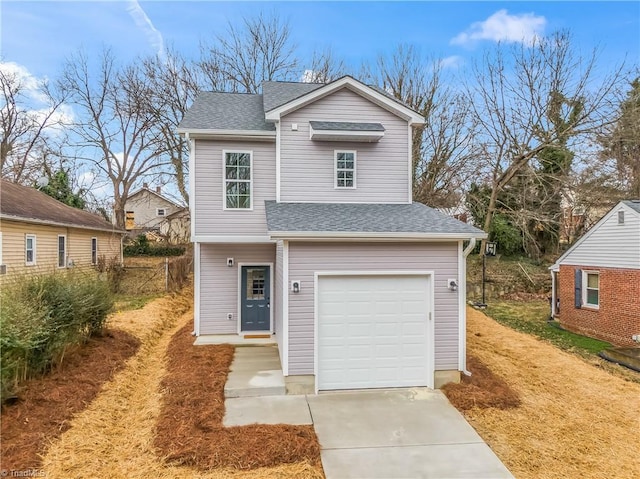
30, 250
345, 173
161, 212
620, 217
238, 180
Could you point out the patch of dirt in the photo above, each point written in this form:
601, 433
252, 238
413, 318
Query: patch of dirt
190, 430
46, 405
483, 389
574, 420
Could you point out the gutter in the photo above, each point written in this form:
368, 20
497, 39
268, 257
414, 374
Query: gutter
465, 253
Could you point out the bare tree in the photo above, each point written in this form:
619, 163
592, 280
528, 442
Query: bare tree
172, 84
114, 129
324, 67
241, 59
27, 131
531, 97
443, 151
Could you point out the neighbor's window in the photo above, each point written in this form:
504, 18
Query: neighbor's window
62, 251
94, 250
345, 169
30, 250
161, 212
237, 179
591, 289
620, 217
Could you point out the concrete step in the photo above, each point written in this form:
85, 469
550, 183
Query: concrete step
252, 383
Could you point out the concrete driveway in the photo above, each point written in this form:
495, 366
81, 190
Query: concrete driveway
399, 433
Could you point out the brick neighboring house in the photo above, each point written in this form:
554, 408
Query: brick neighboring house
596, 283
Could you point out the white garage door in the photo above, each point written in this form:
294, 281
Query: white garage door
373, 331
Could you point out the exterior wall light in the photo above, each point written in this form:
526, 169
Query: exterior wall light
295, 286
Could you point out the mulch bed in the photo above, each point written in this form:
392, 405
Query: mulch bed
46, 405
483, 389
190, 430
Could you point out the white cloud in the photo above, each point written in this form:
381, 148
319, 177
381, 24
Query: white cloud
146, 25
30, 85
524, 28
454, 61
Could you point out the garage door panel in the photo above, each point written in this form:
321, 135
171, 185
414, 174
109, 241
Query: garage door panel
372, 331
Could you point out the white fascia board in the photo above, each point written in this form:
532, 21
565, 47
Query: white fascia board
380, 236
206, 134
231, 239
192, 183
402, 111
609, 214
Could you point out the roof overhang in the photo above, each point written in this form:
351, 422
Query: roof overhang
251, 135
335, 134
38, 221
360, 88
371, 236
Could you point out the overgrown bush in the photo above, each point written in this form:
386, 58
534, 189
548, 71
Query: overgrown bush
142, 247
114, 271
41, 317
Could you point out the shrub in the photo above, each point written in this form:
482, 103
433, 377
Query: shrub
41, 317
142, 247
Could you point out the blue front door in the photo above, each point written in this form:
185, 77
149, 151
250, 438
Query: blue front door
255, 298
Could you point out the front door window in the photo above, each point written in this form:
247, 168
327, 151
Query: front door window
255, 294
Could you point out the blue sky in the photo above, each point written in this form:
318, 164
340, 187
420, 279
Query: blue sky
39, 35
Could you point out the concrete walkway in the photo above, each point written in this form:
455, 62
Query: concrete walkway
392, 433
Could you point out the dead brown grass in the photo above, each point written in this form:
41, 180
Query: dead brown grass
574, 419
114, 436
483, 389
190, 429
46, 405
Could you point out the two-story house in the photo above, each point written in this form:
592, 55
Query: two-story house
148, 209
305, 232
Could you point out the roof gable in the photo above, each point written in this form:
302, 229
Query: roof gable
21, 203
608, 243
371, 94
154, 193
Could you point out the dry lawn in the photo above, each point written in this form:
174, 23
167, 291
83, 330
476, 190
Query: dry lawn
114, 436
575, 420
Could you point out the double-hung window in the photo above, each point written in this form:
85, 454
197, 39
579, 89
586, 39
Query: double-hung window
30, 250
238, 176
94, 250
62, 251
161, 212
591, 289
345, 171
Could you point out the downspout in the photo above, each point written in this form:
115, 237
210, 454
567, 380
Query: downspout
465, 253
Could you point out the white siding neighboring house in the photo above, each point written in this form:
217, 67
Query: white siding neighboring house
305, 233
149, 210
596, 282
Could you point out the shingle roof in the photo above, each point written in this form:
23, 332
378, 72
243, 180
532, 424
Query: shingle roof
278, 93
633, 204
24, 203
363, 218
345, 126
226, 111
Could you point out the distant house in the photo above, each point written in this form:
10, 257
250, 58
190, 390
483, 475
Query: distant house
148, 209
39, 233
596, 283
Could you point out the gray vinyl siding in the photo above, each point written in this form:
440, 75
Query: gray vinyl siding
610, 244
219, 282
210, 216
307, 167
278, 298
307, 258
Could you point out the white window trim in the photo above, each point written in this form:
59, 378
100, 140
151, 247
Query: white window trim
585, 277
335, 169
94, 261
224, 180
33, 237
164, 212
58, 251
